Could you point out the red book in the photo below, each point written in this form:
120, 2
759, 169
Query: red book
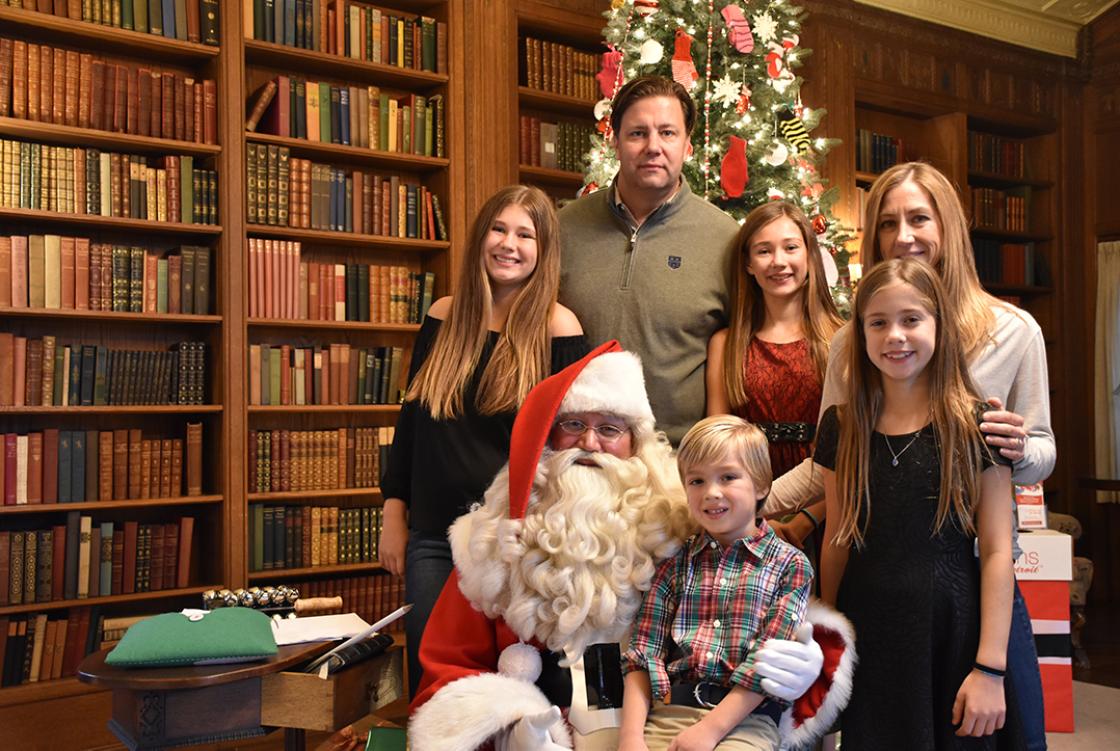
156, 563
118, 561
171, 554
144, 101
209, 112
66, 273
132, 102
50, 465
81, 271
9, 469
74, 643
128, 584
285, 374
174, 281
34, 468
183, 567
155, 103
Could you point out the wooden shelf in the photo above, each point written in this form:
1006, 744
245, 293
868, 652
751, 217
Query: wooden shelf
350, 154
61, 508
323, 409
69, 135
59, 688
288, 323
312, 495
121, 41
559, 103
993, 180
108, 315
550, 176
1016, 289
1003, 234
35, 607
116, 409
349, 239
94, 221
288, 573
866, 178
307, 61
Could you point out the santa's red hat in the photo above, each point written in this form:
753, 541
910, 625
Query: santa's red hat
606, 380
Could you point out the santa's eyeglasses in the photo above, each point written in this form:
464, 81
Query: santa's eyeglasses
606, 432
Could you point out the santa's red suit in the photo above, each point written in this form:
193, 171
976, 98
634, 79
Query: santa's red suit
517, 591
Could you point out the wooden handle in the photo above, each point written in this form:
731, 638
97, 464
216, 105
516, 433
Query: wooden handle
313, 604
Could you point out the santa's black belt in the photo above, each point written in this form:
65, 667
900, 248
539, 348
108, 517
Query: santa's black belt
788, 432
705, 695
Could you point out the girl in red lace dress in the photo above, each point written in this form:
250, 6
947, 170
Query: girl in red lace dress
768, 366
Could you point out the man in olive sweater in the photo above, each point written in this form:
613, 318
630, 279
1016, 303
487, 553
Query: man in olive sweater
646, 261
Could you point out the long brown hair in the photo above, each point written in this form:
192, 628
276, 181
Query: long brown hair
819, 316
522, 355
952, 405
955, 263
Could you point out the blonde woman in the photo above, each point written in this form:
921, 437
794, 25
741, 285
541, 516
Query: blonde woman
477, 355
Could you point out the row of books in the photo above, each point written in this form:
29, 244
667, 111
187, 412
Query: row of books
73, 466
1006, 263
366, 117
309, 536
289, 192
996, 154
283, 286
295, 460
1007, 209
554, 145
357, 31
42, 647
188, 20
371, 597
42, 373
83, 558
876, 152
335, 374
71, 273
560, 69
66, 87
74, 180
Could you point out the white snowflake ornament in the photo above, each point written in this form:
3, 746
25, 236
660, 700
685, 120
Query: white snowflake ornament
765, 27
727, 91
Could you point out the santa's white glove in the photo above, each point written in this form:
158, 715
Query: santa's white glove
533, 733
788, 668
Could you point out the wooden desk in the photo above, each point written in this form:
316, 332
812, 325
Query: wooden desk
157, 708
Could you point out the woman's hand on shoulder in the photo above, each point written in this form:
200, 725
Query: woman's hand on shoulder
563, 322
1004, 430
441, 308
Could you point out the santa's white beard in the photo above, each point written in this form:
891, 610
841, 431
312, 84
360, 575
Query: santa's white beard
573, 572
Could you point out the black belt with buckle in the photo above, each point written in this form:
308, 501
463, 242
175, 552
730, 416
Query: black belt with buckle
788, 432
705, 695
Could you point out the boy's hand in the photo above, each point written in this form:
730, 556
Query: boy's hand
980, 708
700, 737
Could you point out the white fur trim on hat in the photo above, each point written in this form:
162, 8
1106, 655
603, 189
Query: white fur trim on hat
468, 712
613, 383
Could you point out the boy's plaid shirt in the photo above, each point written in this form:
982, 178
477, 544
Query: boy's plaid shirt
708, 611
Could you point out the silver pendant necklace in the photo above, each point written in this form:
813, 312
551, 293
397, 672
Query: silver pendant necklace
894, 456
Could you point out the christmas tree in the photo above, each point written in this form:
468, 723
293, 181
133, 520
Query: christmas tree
752, 142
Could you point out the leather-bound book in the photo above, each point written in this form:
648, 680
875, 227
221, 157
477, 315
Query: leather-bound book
93, 585
165, 477
120, 98
209, 112
34, 468
120, 464
34, 83
58, 562
73, 541
117, 566
49, 468
106, 458
128, 566
91, 467
170, 555
156, 563
155, 113
46, 84
5, 77
135, 446
19, 79
176, 467
84, 540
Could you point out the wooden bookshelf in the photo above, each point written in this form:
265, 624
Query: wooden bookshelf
558, 103
289, 323
68, 135
324, 409
313, 495
335, 570
352, 154
307, 61
30, 706
346, 239
550, 176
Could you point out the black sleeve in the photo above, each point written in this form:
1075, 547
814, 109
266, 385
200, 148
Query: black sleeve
567, 349
396, 480
828, 433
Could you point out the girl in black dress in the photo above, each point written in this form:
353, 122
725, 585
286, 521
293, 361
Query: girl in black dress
910, 485
476, 357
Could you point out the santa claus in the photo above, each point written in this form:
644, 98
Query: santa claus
551, 569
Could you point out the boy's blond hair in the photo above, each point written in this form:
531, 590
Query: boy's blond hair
713, 438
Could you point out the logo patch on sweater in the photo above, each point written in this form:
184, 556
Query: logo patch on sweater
674, 262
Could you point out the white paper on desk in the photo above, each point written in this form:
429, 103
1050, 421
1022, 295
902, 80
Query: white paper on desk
317, 628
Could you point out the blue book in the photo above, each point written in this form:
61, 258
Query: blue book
74, 398
105, 557
77, 466
169, 19
290, 22
344, 114
278, 22
89, 356
64, 471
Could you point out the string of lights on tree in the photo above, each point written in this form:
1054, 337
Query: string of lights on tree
752, 141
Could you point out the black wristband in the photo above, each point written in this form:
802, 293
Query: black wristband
994, 672
813, 519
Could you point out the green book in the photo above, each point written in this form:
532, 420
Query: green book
274, 375
324, 113
186, 294
383, 130
100, 376
258, 538
161, 285
186, 189
139, 22
59, 375
266, 381
127, 20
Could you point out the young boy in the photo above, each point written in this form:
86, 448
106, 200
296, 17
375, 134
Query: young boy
711, 606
